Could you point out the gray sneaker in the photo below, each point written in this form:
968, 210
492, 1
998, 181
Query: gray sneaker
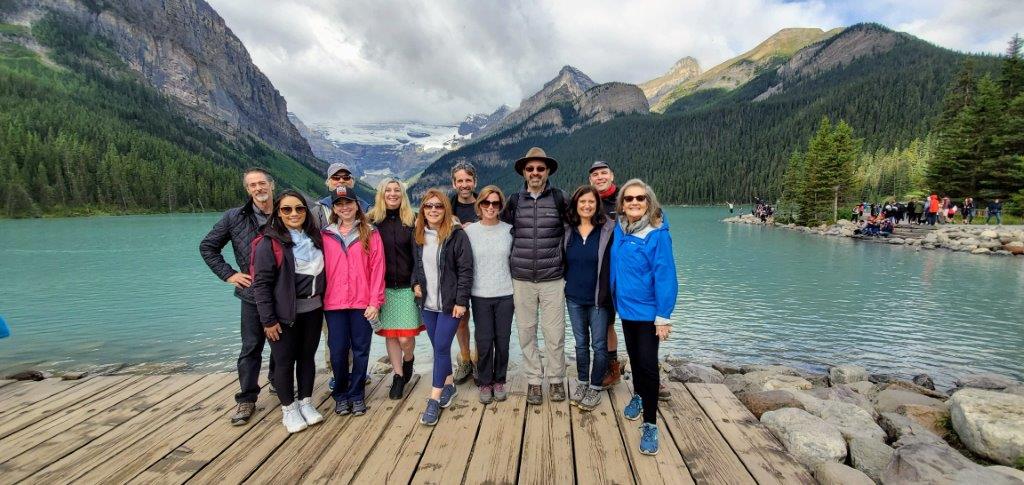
500, 394
534, 394
578, 393
558, 392
486, 394
591, 398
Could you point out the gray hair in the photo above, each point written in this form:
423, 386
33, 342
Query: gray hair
265, 173
653, 207
468, 167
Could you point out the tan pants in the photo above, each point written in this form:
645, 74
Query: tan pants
548, 299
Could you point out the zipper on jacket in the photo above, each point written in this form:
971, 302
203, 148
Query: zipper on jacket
535, 219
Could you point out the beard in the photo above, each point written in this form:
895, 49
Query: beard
261, 197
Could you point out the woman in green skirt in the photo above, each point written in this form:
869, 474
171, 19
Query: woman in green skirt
399, 317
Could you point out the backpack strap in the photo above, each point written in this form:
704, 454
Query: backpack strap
275, 246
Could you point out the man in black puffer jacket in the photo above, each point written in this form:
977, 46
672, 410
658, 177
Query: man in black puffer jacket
536, 214
240, 226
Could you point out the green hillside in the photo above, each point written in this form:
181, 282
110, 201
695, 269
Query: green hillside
81, 134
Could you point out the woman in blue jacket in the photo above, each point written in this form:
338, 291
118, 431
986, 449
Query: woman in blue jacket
644, 285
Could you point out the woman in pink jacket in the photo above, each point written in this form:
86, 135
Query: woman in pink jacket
354, 262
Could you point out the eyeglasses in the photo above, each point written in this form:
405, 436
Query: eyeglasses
433, 206
287, 209
336, 177
631, 198
536, 168
490, 203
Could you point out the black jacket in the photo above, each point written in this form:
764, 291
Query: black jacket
239, 227
399, 250
537, 232
277, 287
608, 204
455, 269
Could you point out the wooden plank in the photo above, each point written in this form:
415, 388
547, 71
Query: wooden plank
290, 461
182, 426
349, 449
766, 459
597, 443
667, 467
43, 454
27, 392
184, 461
445, 459
547, 444
398, 451
120, 440
496, 453
45, 429
14, 420
708, 456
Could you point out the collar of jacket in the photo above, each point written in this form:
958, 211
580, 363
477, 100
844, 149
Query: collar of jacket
525, 191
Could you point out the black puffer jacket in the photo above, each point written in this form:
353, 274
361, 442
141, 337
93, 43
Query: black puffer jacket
455, 269
399, 247
239, 227
537, 232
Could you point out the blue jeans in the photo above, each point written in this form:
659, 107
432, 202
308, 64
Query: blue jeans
348, 330
998, 216
441, 329
590, 329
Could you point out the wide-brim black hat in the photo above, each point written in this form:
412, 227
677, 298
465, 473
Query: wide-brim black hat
536, 153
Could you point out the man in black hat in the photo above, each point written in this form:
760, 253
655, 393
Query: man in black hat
536, 214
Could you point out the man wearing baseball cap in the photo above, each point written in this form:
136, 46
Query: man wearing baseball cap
338, 174
603, 179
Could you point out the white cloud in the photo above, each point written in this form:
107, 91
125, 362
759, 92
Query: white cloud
438, 60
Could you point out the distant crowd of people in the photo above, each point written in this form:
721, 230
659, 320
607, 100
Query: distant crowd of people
881, 218
388, 270
762, 210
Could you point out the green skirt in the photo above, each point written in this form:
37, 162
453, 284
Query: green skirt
400, 317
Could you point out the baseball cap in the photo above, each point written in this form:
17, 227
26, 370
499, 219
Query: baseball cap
598, 164
342, 192
337, 167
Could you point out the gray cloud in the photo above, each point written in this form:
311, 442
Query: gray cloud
438, 60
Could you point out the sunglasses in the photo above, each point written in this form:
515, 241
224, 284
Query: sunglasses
338, 176
490, 203
538, 169
287, 209
433, 206
631, 198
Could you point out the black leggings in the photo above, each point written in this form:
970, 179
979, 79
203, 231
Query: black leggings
642, 347
293, 355
492, 319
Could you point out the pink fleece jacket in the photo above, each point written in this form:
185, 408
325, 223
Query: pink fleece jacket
355, 278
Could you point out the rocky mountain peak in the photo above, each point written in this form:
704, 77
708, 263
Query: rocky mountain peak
566, 87
683, 70
571, 77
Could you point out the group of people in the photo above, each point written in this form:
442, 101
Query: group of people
390, 270
762, 209
933, 210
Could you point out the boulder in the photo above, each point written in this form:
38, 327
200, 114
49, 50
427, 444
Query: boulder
28, 375
980, 251
1010, 472
986, 380
870, 456
924, 463
989, 423
864, 388
989, 234
764, 381
73, 376
817, 379
808, 438
726, 368
1018, 390
676, 360
888, 400
829, 473
902, 430
851, 420
774, 369
761, 402
933, 418
696, 373
925, 381
910, 386
1014, 247
882, 378
845, 393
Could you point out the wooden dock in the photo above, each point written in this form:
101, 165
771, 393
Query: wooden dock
175, 429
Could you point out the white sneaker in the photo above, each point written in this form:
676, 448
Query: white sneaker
309, 413
292, 418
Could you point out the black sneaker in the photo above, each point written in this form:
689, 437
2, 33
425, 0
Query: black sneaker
342, 408
358, 408
397, 387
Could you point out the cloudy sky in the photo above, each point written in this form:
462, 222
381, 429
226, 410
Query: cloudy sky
354, 61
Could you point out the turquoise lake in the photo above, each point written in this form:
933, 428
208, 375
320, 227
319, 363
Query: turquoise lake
89, 291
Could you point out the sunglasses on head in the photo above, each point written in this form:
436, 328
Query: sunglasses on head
536, 168
490, 203
631, 198
339, 176
287, 209
433, 206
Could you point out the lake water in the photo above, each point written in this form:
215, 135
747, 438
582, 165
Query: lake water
90, 291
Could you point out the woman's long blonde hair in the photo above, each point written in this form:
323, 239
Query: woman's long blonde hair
447, 222
379, 210
653, 207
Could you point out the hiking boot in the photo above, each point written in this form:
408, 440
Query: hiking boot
649, 439
243, 413
486, 394
358, 407
309, 413
591, 398
663, 393
500, 394
397, 387
407, 370
613, 376
635, 407
534, 394
577, 394
291, 417
557, 392
463, 371
432, 413
448, 392
343, 407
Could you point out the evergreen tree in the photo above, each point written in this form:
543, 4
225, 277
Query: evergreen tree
1012, 75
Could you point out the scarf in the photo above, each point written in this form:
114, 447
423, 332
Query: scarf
308, 259
608, 192
634, 227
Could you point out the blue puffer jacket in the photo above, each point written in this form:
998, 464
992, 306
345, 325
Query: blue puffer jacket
643, 274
